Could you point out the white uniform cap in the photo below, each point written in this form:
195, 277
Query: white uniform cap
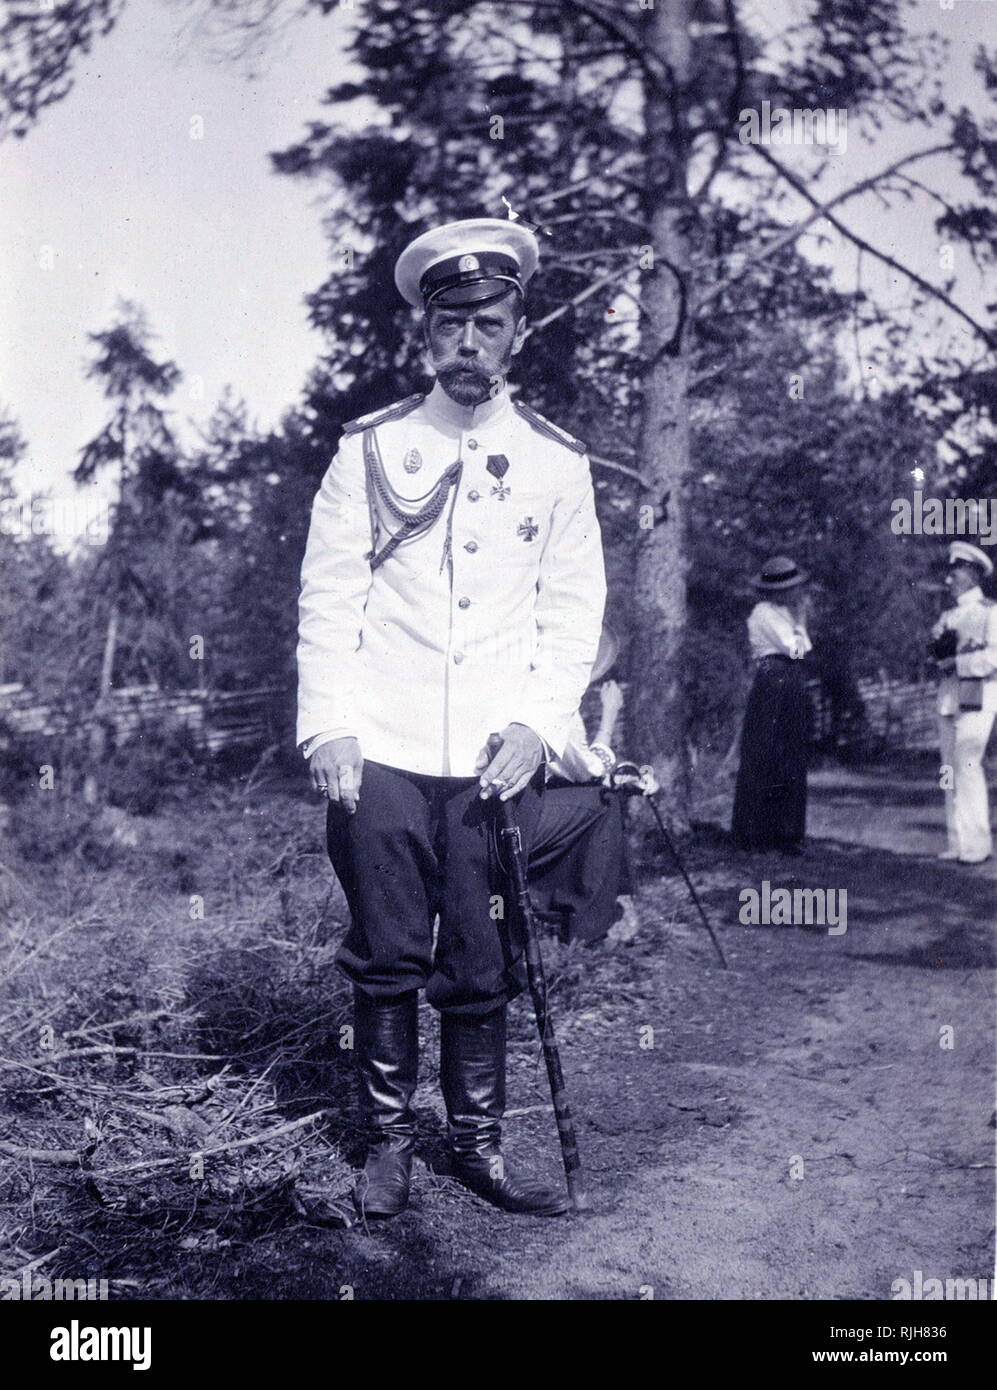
962, 552
469, 262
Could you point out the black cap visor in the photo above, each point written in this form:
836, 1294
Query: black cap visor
470, 279
477, 293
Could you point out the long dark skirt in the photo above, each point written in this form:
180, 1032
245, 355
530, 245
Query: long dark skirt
770, 802
579, 863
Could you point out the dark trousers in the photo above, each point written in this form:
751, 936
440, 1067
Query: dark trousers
417, 847
579, 863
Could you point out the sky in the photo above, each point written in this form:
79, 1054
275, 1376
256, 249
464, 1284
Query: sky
906, 232
110, 197
218, 250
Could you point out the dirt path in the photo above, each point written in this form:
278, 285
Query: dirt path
816, 1143
803, 1125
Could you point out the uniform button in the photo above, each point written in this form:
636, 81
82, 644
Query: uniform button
471, 546
473, 495
464, 603
458, 658
472, 443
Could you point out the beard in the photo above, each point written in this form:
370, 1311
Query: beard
467, 385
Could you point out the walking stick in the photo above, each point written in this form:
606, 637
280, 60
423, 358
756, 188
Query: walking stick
631, 788
510, 835
688, 881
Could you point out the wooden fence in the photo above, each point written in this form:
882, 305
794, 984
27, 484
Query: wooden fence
894, 716
212, 720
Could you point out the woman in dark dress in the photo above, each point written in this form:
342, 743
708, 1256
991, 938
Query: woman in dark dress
770, 800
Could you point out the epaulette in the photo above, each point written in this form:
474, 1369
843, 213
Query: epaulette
389, 412
552, 431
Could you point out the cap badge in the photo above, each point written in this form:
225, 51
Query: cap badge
468, 263
528, 529
412, 461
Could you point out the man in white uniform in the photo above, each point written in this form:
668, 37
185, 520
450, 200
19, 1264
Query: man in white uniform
452, 587
965, 645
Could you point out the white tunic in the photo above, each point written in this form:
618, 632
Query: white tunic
423, 658
974, 620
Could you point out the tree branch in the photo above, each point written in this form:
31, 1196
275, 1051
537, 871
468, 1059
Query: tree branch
733, 100
604, 173
620, 468
579, 298
251, 1141
628, 35
820, 210
67, 1157
987, 335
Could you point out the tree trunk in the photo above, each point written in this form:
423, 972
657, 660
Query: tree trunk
107, 661
97, 741
661, 560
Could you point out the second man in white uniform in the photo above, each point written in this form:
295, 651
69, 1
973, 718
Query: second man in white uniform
965, 639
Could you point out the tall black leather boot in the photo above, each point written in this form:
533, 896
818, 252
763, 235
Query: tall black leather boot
386, 1039
472, 1078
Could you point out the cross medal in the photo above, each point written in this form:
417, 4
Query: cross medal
498, 466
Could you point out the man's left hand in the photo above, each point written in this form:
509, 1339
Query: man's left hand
505, 773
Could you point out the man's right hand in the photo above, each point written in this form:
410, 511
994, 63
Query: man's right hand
336, 770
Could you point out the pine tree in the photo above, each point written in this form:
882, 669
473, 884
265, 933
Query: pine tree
135, 579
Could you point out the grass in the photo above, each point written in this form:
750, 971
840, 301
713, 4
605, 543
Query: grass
166, 990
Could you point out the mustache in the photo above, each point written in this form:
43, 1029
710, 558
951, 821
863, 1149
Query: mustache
463, 369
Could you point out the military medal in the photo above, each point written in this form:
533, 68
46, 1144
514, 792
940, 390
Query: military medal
528, 529
413, 461
498, 466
